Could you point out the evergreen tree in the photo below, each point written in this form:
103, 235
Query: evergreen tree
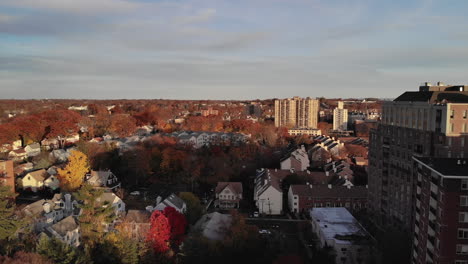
95, 215
9, 222
58, 252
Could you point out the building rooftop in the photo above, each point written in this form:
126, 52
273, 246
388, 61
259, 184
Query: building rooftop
338, 224
324, 191
446, 166
234, 186
434, 97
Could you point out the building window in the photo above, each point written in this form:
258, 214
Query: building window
463, 200
464, 184
295, 203
295, 197
452, 114
462, 249
465, 113
463, 217
462, 233
452, 127
328, 205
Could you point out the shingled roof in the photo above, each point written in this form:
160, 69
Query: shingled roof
234, 186
64, 226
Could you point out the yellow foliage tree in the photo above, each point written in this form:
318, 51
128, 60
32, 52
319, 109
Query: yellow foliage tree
72, 176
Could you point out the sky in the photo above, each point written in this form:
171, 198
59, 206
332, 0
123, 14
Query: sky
229, 49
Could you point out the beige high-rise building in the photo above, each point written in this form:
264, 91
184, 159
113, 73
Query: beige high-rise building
296, 112
340, 117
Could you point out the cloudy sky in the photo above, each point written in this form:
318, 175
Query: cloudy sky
229, 49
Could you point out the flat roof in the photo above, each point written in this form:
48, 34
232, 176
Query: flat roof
446, 166
338, 224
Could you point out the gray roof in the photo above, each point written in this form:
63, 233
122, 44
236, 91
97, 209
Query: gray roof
64, 226
175, 200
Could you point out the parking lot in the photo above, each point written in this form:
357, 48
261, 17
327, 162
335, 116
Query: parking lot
287, 233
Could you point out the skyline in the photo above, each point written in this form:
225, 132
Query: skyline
113, 49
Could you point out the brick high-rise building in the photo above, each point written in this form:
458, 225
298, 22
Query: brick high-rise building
431, 122
441, 211
7, 176
296, 112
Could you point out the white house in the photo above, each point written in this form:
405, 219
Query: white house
67, 231
109, 198
34, 180
33, 149
172, 201
17, 154
268, 195
228, 194
337, 228
48, 212
105, 179
52, 182
297, 160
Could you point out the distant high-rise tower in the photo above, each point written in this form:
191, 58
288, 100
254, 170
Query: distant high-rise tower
296, 112
340, 118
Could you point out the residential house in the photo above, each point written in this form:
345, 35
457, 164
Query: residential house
172, 201
109, 198
103, 179
34, 180
47, 212
33, 150
22, 169
303, 197
268, 195
67, 231
297, 160
59, 155
50, 143
137, 223
337, 228
228, 195
7, 176
17, 155
52, 182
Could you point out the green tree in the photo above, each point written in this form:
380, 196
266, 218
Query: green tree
194, 208
57, 251
95, 215
9, 222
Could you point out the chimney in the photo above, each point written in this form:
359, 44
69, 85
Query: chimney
329, 186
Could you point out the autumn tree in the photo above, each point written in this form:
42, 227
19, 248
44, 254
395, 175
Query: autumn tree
159, 233
178, 225
72, 176
122, 125
22, 257
95, 215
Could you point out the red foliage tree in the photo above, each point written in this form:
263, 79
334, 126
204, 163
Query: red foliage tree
159, 233
60, 123
178, 224
122, 125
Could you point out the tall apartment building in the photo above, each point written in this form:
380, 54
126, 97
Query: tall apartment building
431, 122
340, 118
441, 211
296, 112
